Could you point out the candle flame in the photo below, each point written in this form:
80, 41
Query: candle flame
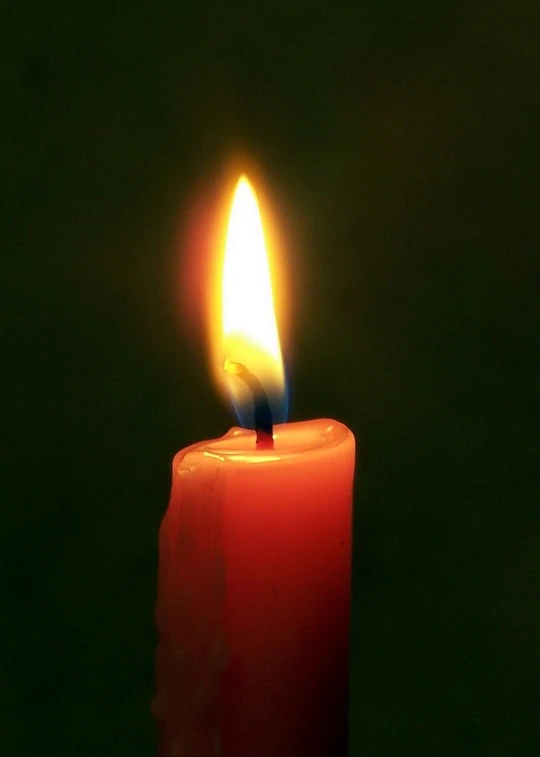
248, 334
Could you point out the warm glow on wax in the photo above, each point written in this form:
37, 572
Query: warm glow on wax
249, 332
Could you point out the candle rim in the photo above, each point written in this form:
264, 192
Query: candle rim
238, 445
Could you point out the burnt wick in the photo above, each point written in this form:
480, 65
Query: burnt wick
264, 425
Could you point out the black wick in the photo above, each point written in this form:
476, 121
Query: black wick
264, 425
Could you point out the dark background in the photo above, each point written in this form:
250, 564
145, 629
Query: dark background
401, 141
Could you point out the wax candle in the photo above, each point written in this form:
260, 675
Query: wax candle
255, 561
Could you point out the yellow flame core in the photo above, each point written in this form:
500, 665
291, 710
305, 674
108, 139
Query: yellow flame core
249, 329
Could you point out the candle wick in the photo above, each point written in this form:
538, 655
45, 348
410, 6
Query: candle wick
264, 425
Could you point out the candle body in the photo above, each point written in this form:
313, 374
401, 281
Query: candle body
254, 596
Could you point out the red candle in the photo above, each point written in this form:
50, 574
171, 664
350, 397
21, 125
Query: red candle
255, 551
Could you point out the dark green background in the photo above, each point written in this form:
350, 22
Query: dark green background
402, 140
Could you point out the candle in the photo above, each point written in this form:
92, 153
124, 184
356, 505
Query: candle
255, 550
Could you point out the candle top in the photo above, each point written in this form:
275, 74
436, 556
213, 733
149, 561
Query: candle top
314, 438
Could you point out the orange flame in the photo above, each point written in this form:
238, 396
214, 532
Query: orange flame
244, 327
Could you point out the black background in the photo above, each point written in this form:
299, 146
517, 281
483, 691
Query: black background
400, 141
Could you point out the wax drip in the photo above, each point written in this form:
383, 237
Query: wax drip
262, 415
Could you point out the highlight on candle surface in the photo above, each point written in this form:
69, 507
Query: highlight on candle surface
248, 333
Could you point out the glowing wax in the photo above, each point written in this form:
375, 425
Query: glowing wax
254, 596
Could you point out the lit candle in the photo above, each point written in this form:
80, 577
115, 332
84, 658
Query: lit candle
255, 551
